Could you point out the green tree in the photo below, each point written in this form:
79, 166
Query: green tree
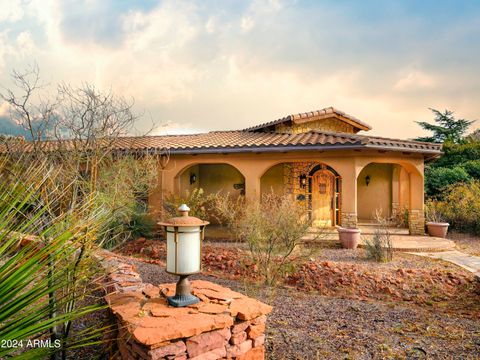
437, 179
446, 128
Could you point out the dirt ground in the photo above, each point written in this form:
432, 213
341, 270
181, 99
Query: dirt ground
339, 305
467, 243
310, 326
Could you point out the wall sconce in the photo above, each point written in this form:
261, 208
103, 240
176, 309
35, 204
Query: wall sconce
184, 256
367, 180
193, 178
303, 181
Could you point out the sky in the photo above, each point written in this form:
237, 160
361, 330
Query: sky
195, 66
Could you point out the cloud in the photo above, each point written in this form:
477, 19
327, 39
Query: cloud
11, 10
415, 80
217, 65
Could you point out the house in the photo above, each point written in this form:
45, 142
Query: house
323, 158
342, 176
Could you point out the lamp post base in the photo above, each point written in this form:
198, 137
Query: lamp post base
183, 294
182, 300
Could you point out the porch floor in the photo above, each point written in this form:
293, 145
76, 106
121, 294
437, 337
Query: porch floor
400, 239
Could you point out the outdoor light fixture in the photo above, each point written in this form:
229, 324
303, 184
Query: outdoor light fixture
193, 178
303, 181
184, 257
367, 180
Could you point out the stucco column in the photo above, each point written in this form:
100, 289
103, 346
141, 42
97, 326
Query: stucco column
252, 185
252, 174
348, 207
416, 217
395, 190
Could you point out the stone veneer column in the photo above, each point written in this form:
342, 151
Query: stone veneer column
349, 220
416, 222
224, 325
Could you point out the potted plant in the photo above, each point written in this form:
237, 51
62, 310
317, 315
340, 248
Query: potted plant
349, 237
436, 225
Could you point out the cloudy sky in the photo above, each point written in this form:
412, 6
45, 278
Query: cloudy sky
219, 64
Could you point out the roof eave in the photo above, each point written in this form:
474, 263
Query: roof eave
284, 148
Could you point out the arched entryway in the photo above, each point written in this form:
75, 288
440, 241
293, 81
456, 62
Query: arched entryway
314, 185
211, 178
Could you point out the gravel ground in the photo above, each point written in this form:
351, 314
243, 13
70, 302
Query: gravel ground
467, 243
309, 326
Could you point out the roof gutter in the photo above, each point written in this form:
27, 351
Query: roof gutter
264, 149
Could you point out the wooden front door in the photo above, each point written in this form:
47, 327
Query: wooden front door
323, 192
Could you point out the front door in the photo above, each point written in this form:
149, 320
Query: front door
323, 192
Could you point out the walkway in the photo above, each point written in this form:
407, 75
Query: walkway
468, 262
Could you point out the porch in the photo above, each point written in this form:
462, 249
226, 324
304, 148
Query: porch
335, 189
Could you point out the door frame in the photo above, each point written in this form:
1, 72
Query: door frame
337, 194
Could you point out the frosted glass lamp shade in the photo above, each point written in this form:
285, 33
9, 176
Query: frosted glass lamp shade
184, 250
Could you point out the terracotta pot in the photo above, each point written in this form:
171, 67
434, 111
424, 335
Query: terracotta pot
438, 229
349, 237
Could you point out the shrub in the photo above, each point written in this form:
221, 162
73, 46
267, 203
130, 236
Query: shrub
272, 228
433, 212
380, 248
200, 204
472, 167
460, 206
437, 179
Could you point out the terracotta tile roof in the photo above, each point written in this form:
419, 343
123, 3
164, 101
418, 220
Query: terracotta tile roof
314, 115
247, 141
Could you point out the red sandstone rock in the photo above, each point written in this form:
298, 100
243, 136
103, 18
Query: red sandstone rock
259, 320
151, 291
215, 354
254, 331
205, 342
259, 341
241, 326
174, 348
152, 330
257, 353
240, 349
213, 309
248, 308
238, 338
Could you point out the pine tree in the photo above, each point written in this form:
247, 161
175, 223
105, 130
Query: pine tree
446, 128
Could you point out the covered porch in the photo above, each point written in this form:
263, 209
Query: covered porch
337, 189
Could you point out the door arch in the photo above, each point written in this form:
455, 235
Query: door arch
324, 196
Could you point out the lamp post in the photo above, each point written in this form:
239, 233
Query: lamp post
184, 256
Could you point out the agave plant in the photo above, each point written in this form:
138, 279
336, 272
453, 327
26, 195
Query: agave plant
45, 263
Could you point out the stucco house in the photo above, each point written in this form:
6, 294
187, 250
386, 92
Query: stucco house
322, 157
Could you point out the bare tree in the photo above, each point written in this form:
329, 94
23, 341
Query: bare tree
76, 130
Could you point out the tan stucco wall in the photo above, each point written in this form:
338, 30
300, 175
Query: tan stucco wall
185, 179
378, 194
273, 180
332, 124
219, 178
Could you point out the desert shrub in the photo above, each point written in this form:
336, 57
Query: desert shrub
201, 205
460, 206
472, 167
272, 228
433, 212
380, 248
437, 179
